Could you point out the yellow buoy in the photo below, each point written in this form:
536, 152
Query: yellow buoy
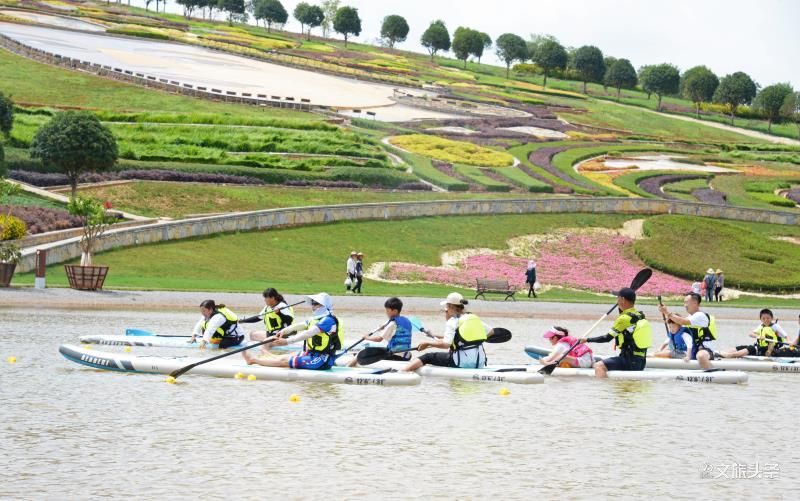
251, 377
12, 359
294, 398
504, 391
170, 380
128, 349
238, 375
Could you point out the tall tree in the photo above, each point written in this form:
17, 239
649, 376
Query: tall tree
770, 100
329, 8
394, 29
791, 109
347, 22
486, 42
436, 38
734, 90
643, 74
234, 8
509, 48
608, 62
589, 64
6, 115
698, 84
314, 17
467, 42
75, 142
663, 79
270, 11
621, 75
300, 13
550, 55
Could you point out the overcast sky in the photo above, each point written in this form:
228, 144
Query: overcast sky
759, 37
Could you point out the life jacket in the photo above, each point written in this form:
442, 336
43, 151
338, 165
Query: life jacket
325, 343
226, 329
703, 334
273, 321
636, 339
770, 335
577, 352
402, 334
676, 340
469, 335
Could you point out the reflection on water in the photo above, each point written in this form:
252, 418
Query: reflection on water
69, 432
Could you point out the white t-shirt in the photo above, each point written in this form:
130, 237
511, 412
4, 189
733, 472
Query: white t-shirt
216, 321
699, 319
777, 328
470, 357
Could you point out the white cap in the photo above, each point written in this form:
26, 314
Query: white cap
322, 298
454, 298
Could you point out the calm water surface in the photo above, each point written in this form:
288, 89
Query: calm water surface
69, 432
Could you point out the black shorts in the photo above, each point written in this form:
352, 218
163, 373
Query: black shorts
228, 341
751, 349
620, 363
438, 358
402, 357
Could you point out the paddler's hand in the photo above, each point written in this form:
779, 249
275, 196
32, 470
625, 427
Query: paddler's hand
687, 358
279, 334
193, 340
279, 342
583, 340
423, 346
202, 344
663, 310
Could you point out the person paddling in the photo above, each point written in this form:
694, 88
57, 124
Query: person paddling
700, 325
464, 335
218, 325
396, 333
321, 335
580, 357
677, 342
771, 340
632, 334
276, 315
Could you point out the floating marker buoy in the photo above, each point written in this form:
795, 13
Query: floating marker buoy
170, 380
128, 349
294, 398
238, 375
504, 392
12, 359
251, 377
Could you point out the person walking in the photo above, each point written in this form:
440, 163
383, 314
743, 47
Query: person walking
530, 278
359, 273
351, 271
720, 283
709, 281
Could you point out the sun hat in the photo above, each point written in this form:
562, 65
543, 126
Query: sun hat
719, 271
360, 254
322, 298
353, 253
552, 331
454, 298
710, 270
626, 293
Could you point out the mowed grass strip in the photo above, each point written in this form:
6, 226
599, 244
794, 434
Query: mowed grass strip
685, 246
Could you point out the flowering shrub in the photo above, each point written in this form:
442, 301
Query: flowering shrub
53, 179
43, 219
595, 262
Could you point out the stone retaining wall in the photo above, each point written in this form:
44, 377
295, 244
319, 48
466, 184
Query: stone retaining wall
276, 218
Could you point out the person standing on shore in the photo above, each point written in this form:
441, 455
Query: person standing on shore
351, 271
530, 278
359, 273
709, 281
720, 283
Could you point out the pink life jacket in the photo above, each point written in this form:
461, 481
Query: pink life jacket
578, 351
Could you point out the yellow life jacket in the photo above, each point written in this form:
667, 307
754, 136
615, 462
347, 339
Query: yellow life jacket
273, 321
701, 334
231, 321
768, 335
636, 339
469, 332
325, 342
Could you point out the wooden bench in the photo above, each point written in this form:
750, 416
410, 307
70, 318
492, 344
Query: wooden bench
494, 286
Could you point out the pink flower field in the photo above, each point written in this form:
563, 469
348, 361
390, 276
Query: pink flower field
595, 262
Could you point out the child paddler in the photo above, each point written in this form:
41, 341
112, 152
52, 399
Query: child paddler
700, 325
677, 342
579, 357
276, 315
632, 334
770, 340
218, 325
321, 337
396, 333
464, 334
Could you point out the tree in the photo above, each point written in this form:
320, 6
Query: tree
791, 109
589, 64
75, 142
394, 29
770, 101
621, 75
663, 79
734, 90
189, 6
436, 38
550, 55
270, 11
698, 84
535, 41
509, 48
644, 73
608, 62
467, 42
234, 8
486, 42
6, 115
329, 8
308, 15
347, 22
300, 13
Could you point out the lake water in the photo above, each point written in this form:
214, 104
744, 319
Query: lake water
70, 432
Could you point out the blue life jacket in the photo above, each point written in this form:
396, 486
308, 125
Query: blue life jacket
402, 334
676, 340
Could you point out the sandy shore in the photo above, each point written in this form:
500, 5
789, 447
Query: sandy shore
62, 298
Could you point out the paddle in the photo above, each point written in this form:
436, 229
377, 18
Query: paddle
183, 370
360, 340
639, 280
370, 355
142, 332
417, 324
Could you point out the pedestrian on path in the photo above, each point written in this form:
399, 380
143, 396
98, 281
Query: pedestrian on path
709, 281
359, 273
351, 271
530, 278
720, 283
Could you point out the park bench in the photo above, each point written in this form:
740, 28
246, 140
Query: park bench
494, 286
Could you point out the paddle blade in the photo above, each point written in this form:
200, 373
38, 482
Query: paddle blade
641, 278
372, 354
548, 369
138, 332
499, 335
416, 323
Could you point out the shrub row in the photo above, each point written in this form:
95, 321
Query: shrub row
55, 179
